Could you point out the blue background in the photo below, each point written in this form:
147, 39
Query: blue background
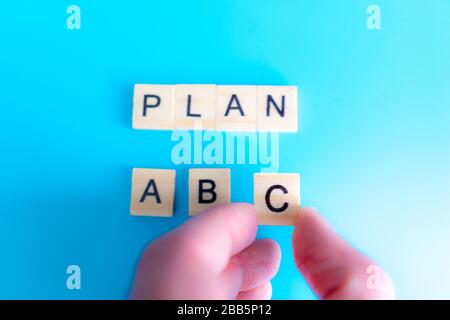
373, 149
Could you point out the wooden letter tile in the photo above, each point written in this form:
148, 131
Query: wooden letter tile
153, 106
195, 107
152, 192
236, 108
208, 187
277, 197
277, 108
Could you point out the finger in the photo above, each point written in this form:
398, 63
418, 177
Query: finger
252, 267
215, 235
331, 266
263, 292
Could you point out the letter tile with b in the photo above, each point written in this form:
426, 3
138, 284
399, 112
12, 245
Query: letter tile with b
208, 187
277, 197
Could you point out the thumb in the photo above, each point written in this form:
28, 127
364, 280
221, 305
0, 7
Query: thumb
331, 266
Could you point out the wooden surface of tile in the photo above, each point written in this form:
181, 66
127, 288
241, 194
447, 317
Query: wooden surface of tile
208, 187
276, 108
277, 197
153, 107
236, 108
153, 192
195, 107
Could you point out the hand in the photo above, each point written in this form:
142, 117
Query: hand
215, 256
332, 267
212, 256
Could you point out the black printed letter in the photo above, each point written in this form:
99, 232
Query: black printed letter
271, 100
202, 190
269, 205
147, 191
146, 105
189, 114
236, 107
